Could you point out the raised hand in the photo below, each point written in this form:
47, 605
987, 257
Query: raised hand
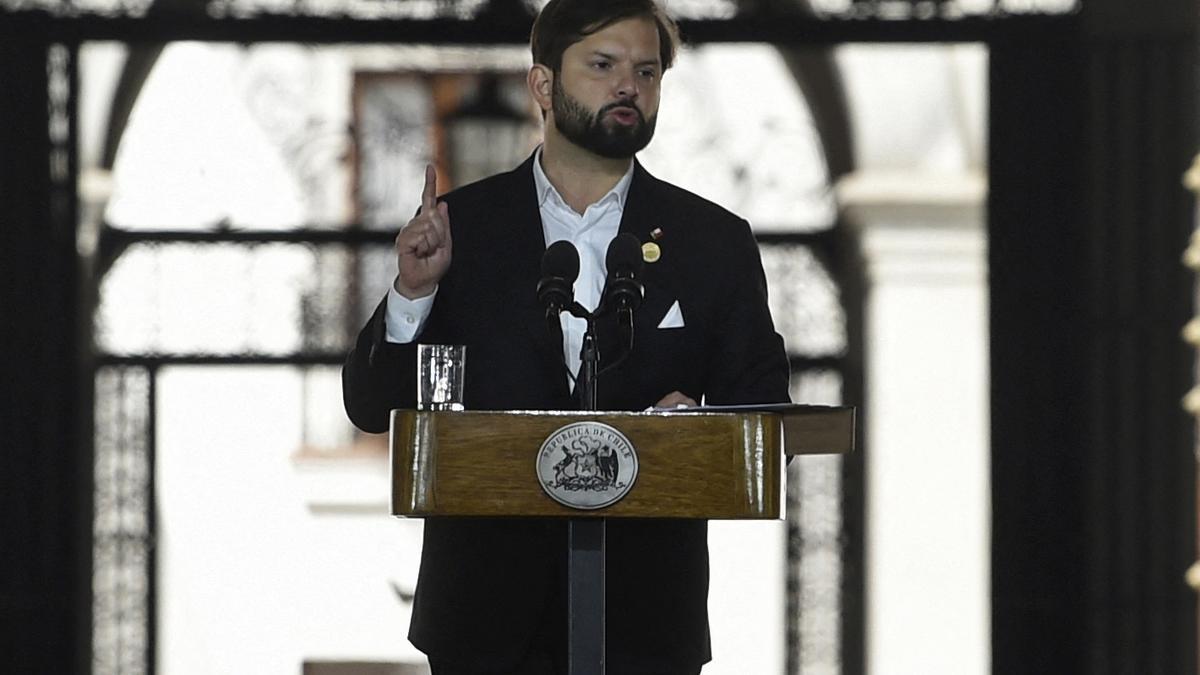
423, 244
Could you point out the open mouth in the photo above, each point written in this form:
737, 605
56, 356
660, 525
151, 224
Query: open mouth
626, 116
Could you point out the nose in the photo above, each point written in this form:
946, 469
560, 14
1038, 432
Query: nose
627, 85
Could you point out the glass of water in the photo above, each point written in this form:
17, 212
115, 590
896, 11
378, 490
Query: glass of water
440, 370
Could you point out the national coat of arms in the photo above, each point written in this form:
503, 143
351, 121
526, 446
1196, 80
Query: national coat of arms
587, 465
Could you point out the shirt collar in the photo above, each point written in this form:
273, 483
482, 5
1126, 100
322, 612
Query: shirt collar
619, 192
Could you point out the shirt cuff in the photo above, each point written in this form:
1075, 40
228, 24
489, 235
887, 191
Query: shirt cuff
405, 318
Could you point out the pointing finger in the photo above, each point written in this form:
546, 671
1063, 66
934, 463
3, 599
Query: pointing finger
429, 194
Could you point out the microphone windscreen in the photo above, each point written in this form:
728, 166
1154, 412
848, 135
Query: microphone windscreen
624, 255
561, 260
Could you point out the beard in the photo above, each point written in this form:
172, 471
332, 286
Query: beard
588, 130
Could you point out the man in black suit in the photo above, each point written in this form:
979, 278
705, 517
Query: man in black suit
490, 595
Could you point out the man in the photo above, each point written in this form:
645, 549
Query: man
491, 593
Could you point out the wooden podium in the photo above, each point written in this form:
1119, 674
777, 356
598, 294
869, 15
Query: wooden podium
706, 462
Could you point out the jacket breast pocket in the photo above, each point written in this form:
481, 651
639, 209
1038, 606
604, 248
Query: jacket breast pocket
669, 359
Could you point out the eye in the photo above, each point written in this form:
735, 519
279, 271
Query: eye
649, 73
602, 65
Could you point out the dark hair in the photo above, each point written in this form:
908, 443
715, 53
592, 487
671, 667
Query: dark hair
562, 23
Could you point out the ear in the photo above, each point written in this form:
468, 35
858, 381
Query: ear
541, 85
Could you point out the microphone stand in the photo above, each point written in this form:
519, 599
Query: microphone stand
589, 356
586, 540
589, 367
586, 536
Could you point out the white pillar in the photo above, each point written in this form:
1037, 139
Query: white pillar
928, 514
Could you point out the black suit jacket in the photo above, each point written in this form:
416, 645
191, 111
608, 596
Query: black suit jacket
486, 585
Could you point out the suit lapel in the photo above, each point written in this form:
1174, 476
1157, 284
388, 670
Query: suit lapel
641, 218
524, 250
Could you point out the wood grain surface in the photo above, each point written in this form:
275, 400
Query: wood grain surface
717, 466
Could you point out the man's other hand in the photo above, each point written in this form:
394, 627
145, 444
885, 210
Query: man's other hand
676, 399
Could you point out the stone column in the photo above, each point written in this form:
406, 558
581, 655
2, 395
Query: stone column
926, 420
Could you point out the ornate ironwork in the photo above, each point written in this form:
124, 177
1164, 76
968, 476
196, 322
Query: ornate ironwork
816, 534
266, 299
123, 533
393, 118
468, 10
805, 301
926, 10
74, 8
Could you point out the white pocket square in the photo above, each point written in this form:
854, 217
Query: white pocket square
673, 318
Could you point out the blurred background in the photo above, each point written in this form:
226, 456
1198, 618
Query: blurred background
975, 226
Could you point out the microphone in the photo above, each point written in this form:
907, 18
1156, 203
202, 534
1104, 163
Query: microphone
623, 288
560, 267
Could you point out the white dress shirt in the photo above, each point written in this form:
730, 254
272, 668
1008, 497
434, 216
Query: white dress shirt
590, 232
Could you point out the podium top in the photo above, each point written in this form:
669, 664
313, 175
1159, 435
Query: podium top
807, 429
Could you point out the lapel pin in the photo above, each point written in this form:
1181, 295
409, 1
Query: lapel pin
651, 252
656, 233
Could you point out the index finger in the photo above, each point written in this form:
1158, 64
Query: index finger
429, 194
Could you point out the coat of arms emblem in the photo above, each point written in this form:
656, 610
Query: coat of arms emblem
587, 465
